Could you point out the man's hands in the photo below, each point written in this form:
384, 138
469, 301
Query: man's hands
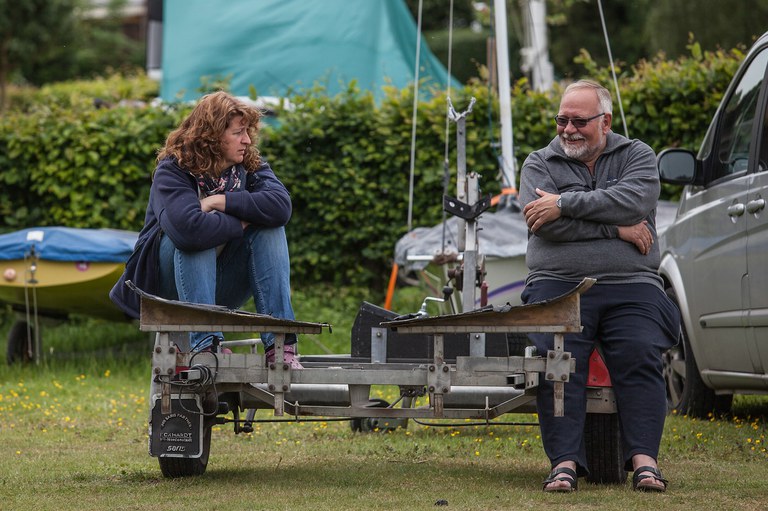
639, 235
542, 210
545, 210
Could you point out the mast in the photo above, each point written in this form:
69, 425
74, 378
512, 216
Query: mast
508, 165
536, 51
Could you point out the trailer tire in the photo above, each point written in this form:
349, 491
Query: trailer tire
186, 467
516, 344
368, 424
16, 351
602, 438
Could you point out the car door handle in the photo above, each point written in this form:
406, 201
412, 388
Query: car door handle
736, 209
756, 205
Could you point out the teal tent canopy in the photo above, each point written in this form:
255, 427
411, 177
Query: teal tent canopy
279, 46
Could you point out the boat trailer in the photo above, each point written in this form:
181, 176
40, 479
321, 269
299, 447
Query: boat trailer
192, 391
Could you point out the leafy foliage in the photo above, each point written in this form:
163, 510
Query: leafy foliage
32, 27
131, 88
346, 159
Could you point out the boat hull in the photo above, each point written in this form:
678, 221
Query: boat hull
505, 277
61, 288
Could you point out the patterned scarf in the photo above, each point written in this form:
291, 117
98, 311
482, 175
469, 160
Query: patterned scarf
229, 181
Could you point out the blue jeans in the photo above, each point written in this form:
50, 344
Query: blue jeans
204, 277
635, 324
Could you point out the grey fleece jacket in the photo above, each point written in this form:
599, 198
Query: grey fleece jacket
584, 241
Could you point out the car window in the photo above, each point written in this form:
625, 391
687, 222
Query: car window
738, 118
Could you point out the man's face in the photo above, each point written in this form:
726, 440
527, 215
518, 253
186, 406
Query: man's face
583, 144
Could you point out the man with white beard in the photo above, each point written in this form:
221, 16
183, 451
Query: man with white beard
589, 199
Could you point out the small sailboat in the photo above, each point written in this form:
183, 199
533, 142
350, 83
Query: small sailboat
56, 271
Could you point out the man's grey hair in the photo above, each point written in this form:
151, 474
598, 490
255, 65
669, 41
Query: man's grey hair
603, 94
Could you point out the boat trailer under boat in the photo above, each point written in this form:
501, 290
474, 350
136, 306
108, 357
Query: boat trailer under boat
453, 361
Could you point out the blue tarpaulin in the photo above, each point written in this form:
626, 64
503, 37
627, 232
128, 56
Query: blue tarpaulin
277, 46
69, 244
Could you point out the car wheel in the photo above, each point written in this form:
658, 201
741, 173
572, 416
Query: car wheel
687, 394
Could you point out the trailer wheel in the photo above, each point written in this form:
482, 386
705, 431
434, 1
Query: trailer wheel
186, 467
516, 344
602, 437
368, 424
18, 344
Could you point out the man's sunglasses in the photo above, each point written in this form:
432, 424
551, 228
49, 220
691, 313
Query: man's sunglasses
578, 122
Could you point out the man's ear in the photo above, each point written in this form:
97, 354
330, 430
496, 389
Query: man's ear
607, 119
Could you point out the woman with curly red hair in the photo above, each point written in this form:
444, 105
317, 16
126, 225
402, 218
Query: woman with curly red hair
214, 231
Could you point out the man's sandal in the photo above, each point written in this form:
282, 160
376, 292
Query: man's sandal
565, 474
644, 482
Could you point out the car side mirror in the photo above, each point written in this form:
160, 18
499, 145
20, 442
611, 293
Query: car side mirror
677, 166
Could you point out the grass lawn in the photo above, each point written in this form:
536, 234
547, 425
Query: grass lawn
73, 435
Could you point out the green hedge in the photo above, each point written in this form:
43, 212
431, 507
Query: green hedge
345, 159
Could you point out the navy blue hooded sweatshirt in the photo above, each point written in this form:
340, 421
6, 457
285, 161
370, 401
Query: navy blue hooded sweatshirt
174, 210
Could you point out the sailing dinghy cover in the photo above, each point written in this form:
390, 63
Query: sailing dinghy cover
69, 244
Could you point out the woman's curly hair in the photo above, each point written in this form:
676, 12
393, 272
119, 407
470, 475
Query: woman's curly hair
196, 143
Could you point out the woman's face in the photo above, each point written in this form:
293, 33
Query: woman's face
235, 141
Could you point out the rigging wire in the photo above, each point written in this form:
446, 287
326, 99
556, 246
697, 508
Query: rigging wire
613, 68
413, 116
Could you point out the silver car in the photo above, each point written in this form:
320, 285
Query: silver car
715, 252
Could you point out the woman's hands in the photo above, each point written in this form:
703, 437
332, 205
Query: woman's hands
218, 202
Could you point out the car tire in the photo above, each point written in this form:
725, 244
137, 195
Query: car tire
602, 439
687, 394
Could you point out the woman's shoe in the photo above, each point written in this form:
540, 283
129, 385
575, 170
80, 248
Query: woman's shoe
289, 356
